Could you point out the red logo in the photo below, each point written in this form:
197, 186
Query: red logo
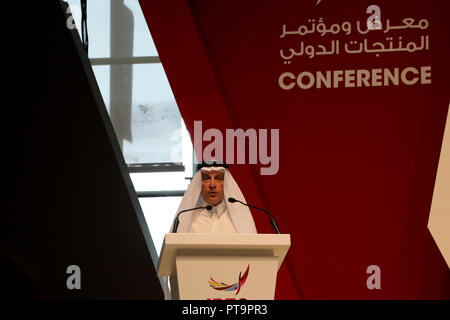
226, 287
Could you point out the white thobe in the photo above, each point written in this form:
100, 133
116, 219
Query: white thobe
216, 220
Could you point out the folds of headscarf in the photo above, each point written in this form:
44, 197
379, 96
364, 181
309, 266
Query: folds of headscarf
240, 214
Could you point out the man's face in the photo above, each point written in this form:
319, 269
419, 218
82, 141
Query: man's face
212, 187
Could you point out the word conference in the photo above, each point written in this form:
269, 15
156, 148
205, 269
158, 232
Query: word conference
356, 78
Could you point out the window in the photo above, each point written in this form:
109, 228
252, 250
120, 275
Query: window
148, 125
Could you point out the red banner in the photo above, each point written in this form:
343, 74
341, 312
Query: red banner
358, 91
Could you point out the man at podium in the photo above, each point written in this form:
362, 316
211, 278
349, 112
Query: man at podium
207, 221
209, 191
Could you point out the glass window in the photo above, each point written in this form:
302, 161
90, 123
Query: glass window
160, 211
155, 118
142, 108
137, 94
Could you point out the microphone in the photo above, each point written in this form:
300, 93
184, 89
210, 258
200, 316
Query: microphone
177, 221
272, 220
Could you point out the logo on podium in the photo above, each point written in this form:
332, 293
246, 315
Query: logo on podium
226, 287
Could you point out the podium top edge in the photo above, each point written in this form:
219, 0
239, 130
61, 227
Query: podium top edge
228, 238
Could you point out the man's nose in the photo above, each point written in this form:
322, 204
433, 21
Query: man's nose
212, 184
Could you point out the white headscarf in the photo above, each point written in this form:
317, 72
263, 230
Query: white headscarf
240, 215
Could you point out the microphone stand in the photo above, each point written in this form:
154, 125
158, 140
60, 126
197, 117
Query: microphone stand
177, 220
272, 220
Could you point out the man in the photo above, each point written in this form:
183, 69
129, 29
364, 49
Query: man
213, 185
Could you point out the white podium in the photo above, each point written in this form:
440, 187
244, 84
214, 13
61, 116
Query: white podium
222, 266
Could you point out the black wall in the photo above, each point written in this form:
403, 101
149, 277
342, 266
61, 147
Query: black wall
68, 198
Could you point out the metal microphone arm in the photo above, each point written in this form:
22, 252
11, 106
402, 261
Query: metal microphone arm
177, 221
272, 220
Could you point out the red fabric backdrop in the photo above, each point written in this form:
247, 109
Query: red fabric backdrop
357, 165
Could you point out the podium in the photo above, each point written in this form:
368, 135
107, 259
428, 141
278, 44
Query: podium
238, 266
